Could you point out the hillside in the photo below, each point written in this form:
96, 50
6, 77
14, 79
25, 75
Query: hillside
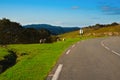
104, 31
55, 30
93, 32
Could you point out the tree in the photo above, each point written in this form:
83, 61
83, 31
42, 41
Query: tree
29, 35
9, 31
12, 32
114, 24
44, 33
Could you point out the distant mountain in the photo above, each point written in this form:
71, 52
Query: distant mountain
55, 30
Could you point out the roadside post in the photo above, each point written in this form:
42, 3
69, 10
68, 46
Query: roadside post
81, 31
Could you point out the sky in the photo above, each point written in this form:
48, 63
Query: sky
67, 13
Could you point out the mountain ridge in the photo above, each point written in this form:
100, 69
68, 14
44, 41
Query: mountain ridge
55, 30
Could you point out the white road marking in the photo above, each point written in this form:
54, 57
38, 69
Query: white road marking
73, 46
78, 42
109, 48
116, 53
104, 46
102, 43
57, 73
68, 52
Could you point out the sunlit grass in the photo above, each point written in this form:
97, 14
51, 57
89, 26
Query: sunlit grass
102, 31
38, 61
3, 52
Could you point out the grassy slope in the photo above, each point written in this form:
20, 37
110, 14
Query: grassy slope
88, 32
3, 52
38, 62
114, 30
74, 35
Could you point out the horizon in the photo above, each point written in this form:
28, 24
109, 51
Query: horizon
70, 26
74, 13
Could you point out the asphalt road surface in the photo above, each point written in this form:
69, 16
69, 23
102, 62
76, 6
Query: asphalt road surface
95, 59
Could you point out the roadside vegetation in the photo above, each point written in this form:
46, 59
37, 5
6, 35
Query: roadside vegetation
3, 52
35, 60
97, 30
102, 30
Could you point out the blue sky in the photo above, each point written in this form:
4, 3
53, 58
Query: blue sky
61, 12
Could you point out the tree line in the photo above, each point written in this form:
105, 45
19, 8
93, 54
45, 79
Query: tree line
14, 33
97, 26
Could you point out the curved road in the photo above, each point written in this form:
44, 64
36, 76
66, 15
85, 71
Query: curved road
95, 59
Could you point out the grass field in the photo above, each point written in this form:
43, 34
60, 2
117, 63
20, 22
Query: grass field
3, 52
37, 61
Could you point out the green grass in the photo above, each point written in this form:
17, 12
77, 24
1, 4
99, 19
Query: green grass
38, 62
3, 52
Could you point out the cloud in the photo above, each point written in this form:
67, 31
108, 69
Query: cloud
110, 10
75, 7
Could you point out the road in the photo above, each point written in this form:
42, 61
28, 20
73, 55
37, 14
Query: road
95, 59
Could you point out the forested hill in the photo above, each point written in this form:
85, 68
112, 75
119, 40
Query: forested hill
13, 33
55, 30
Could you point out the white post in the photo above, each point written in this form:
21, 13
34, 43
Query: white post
81, 31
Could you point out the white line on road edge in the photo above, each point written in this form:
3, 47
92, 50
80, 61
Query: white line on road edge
73, 46
102, 43
68, 52
78, 42
109, 48
104, 46
56, 75
116, 53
